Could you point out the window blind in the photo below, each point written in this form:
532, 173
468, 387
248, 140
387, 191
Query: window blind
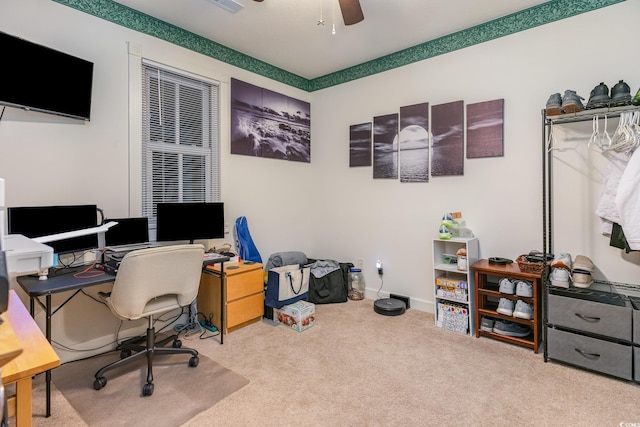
180, 142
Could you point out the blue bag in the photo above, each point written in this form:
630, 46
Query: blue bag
244, 243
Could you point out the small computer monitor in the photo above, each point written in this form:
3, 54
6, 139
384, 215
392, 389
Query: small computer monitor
127, 231
40, 221
189, 221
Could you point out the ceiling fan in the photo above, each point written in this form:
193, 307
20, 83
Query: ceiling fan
351, 11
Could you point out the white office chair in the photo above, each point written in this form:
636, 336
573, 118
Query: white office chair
152, 282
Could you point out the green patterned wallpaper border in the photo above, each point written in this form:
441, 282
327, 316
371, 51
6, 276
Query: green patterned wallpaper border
544, 13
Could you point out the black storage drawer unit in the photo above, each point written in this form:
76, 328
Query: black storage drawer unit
594, 330
591, 353
591, 317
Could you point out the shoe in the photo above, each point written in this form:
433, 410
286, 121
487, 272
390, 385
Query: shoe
505, 306
636, 99
562, 261
620, 94
506, 286
524, 289
447, 221
511, 329
572, 102
445, 234
486, 324
581, 279
583, 263
599, 97
559, 277
523, 310
554, 105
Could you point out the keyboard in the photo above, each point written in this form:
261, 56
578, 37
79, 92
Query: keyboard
132, 247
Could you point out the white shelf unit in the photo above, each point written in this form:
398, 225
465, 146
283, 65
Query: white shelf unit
454, 305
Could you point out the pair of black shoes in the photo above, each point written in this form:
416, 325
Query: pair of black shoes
600, 98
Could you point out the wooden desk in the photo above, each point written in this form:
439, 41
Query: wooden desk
37, 356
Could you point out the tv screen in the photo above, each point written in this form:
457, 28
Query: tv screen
40, 221
35, 77
127, 231
189, 221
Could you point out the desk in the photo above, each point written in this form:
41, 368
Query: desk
37, 356
65, 281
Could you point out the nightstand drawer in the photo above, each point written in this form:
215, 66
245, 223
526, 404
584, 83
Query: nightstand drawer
244, 310
247, 283
591, 317
591, 353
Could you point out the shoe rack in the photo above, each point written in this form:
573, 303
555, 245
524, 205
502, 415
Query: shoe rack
454, 293
487, 295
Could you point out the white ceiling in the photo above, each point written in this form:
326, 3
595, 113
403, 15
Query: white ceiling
286, 34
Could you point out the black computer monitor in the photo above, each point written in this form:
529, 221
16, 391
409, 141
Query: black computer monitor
40, 221
189, 221
127, 231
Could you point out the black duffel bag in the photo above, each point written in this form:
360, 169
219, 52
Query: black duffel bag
329, 281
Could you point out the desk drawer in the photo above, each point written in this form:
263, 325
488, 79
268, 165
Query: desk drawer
247, 283
592, 317
244, 309
591, 353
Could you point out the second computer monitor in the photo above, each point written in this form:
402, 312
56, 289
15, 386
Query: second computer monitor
127, 231
189, 221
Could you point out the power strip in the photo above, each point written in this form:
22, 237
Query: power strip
208, 327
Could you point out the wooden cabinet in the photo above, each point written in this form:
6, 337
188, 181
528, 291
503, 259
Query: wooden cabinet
488, 295
454, 284
244, 294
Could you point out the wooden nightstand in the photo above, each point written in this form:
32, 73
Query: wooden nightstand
244, 294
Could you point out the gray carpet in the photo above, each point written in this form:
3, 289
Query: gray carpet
186, 391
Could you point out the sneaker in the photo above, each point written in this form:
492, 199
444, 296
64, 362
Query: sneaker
636, 99
506, 286
444, 233
572, 102
620, 94
599, 97
505, 306
562, 261
554, 105
523, 310
486, 324
559, 277
524, 289
511, 329
581, 279
583, 263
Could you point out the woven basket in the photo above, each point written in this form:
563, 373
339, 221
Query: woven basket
529, 267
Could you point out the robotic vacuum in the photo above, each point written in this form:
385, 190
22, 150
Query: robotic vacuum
389, 307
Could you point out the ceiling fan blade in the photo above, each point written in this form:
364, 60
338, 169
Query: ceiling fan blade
351, 11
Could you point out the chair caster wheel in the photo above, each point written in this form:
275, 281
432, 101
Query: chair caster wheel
99, 383
177, 344
193, 362
147, 390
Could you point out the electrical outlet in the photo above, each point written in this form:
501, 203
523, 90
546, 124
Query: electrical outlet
379, 267
360, 263
226, 228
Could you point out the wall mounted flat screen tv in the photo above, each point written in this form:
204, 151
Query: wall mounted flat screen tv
189, 221
38, 78
40, 221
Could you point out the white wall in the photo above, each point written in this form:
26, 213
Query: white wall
325, 208
501, 198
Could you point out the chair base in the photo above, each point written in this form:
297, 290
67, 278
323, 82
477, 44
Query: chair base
149, 351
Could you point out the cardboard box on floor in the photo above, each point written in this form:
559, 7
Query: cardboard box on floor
299, 316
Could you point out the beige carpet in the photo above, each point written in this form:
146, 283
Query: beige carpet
358, 368
182, 390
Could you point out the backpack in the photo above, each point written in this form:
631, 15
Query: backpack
244, 243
